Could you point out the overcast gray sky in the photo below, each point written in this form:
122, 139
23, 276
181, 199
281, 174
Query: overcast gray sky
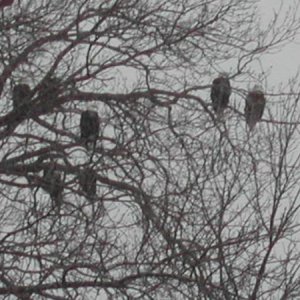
285, 62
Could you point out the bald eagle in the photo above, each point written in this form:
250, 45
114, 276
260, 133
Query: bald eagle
220, 93
255, 105
21, 96
88, 182
89, 127
52, 183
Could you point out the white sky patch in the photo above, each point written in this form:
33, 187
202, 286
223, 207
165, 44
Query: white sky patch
283, 62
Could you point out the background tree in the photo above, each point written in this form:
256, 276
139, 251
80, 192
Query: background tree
187, 206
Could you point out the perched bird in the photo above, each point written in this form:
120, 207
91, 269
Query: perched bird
89, 127
52, 183
21, 96
88, 182
220, 93
255, 105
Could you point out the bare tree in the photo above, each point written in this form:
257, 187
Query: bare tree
172, 202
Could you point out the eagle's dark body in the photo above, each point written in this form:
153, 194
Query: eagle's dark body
220, 93
89, 127
52, 183
254, 108
88, 182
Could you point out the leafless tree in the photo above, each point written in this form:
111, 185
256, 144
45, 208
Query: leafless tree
187, 205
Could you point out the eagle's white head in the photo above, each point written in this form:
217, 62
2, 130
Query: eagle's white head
23, 81
91, 106
224, 75
257, 88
